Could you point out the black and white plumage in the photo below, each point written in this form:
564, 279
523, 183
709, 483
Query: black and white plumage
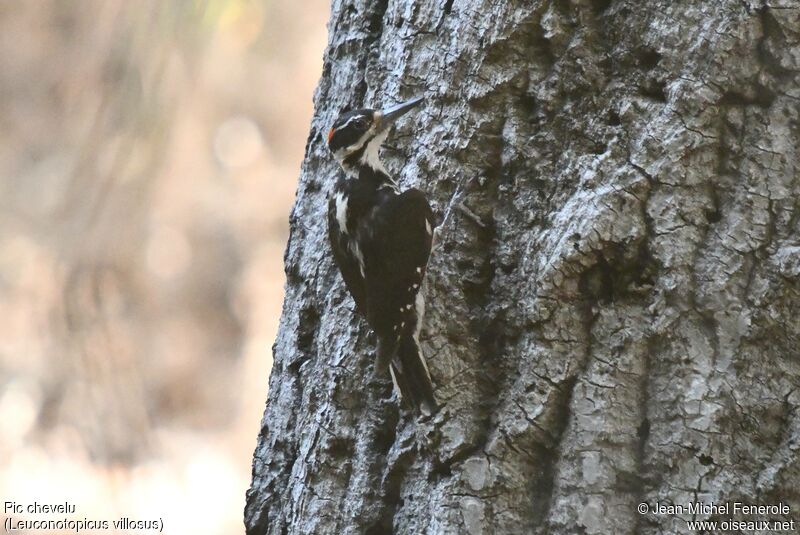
381, 240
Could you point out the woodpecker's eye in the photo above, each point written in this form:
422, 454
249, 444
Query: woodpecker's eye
360, 123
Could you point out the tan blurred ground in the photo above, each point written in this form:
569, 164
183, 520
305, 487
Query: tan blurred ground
148, 158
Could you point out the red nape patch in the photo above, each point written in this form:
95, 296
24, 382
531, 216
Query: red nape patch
330, 134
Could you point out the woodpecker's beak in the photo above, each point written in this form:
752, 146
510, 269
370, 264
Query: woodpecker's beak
388, 116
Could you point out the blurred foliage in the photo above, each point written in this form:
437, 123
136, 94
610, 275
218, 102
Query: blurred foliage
148, 157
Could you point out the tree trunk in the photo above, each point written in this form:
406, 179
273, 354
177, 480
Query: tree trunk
614, 297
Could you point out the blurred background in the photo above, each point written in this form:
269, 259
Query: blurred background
149, 153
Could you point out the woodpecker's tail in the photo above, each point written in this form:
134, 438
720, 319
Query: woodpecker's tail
411, 377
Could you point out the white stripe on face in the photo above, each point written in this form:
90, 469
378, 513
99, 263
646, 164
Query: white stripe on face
371, 157
350, 120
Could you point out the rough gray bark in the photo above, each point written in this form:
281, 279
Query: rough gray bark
620, 321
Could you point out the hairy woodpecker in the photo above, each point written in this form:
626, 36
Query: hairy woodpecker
381, 239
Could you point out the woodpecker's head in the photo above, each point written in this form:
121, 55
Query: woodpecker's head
357, 135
